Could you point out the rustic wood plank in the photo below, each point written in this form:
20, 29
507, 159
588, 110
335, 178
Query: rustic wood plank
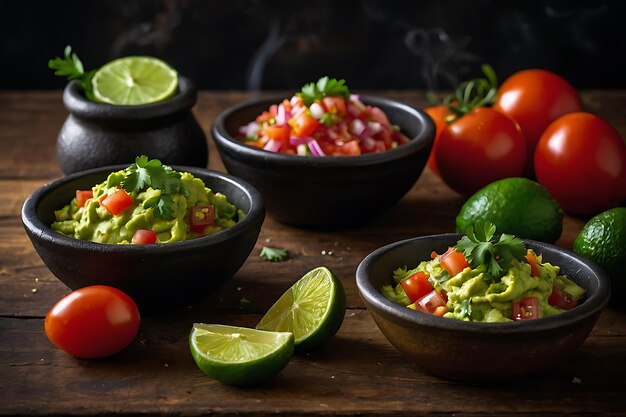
156, 375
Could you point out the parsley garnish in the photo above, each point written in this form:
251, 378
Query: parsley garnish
466, 308
71, 67
480, 248
325, 87
274, 254
151, 173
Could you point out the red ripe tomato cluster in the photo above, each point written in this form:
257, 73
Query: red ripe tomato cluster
535, 128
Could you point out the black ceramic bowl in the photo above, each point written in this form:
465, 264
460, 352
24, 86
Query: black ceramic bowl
478, 352
330, 191
157, 277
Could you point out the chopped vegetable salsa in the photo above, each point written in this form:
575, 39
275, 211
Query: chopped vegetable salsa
485, 280
324, 119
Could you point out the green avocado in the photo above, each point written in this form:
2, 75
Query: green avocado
95, 223
472, 298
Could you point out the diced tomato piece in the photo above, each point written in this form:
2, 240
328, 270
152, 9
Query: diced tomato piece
303, 125
440, 311
264, 117
200, 217
416, 286
561, 299
336, 105
429, 303
377, 115
380, 146
287, 105
526, 309
532, 260
278, 132
350, 148
144, 236
452, 261
82, 196
117, 202
274, 109
385, 136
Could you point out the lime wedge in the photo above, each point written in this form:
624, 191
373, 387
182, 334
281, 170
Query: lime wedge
312, 309
134, 80
237, 355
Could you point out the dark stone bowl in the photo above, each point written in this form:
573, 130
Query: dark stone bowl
157, 277
479, 352
100, 134
330, 191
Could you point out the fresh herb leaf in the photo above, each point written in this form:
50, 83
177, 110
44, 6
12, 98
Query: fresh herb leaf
71, 67
325, 87
274, 254
327, 119
151, 173
466, 308
480, 248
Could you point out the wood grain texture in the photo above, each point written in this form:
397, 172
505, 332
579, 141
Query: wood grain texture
357, 373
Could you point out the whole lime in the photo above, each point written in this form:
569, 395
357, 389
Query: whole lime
515, 206
603, 240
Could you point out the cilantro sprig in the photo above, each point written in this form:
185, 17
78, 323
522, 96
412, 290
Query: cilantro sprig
151, 173
481, 248
325, 87
71, 67
274, 254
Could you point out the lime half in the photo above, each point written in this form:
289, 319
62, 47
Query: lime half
237, 355
312, 309
134, 80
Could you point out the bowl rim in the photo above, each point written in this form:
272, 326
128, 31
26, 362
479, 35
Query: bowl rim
374, 299
424, 138
36, 226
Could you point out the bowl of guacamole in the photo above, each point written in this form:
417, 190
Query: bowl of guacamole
478, 317
166, 236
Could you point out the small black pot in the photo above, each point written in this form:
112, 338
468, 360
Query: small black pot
96, 134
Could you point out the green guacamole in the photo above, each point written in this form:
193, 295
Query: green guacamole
95, 223
472, 298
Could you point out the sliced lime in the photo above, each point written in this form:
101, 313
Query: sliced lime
312, 309
237, 355
134, 80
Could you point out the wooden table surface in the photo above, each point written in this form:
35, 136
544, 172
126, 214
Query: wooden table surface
357, 373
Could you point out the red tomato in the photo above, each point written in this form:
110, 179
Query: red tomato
479, 148
534, 98
561, 299
532, 260
117, 203
303, 125
438, 114
200, 217
430, 302
336, 105
452, 261
416, 286
144, 236
93, 322
82, 196
526, 309
349, 148
278, 132
581, 160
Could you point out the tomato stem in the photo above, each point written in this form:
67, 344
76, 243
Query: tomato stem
471, 94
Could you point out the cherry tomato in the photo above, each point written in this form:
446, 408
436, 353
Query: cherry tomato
581, 160
534, 98
144, 236
561, 299
479, 148
438, 114
416, 286
452, 261
117, 203
82, 196
93, 322
526, 309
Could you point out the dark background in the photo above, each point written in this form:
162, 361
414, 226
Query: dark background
373, 44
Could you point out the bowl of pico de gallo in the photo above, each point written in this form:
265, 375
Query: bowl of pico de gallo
325, 157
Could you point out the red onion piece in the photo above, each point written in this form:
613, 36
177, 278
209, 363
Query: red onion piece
315, 148
272, 145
